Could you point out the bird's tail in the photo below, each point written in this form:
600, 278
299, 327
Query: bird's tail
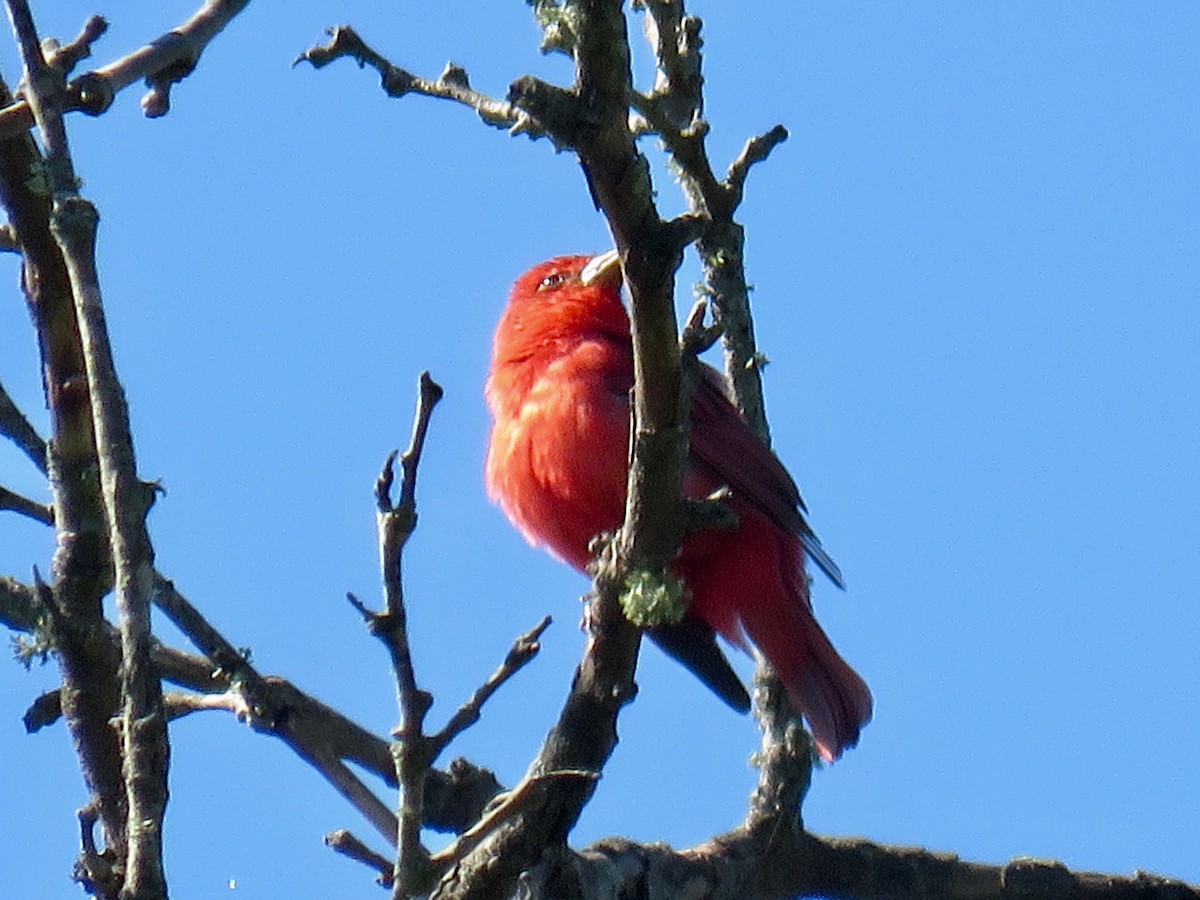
750, 587
831, 696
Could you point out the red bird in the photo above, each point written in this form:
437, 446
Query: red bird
558, 389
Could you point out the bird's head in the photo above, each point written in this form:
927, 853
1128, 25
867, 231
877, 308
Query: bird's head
560, 302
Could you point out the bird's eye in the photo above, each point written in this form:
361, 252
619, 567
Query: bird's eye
552, 281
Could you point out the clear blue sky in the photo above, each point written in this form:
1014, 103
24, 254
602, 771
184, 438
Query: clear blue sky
976, 277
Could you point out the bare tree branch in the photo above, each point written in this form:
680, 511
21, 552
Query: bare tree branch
67, 56
14, 502
779, 865
73, 222
675, 39
348, 845
161, 63
453, 84
316, 733
15, 427
524, 649
673, 111
81, 567
454, 799
395, 524
592, 118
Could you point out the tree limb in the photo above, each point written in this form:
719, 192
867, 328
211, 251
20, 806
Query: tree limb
673, 111
161, 63
15, 427
81, 569
454, 798
73, 221
453, 84
14, 502
592, 118
395, 525
779, 865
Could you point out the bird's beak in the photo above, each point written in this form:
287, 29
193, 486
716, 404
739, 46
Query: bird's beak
603, 269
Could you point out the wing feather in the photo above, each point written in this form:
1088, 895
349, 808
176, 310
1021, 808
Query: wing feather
722, 442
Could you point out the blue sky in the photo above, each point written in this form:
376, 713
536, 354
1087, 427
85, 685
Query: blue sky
975, 270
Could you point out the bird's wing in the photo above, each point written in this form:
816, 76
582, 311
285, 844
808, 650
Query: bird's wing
722, 442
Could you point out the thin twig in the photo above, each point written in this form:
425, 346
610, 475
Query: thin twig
315, 731
348, 845
161, 63
14, 502
701, 187
757, 150
94, 870
46, 708
453, 84
675, 39
395, 523
270, 705
414, 751
321, 757
362, 798
67, 56
278, 708
524, 649
698, 337
178, 704
15, 427
231, 662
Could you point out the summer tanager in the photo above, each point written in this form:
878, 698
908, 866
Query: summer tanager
557, 462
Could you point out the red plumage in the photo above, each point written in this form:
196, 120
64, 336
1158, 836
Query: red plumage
558, 389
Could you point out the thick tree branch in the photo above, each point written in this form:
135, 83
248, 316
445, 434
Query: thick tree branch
592, 118
126, 500
777, 865
82, 573
527, 798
